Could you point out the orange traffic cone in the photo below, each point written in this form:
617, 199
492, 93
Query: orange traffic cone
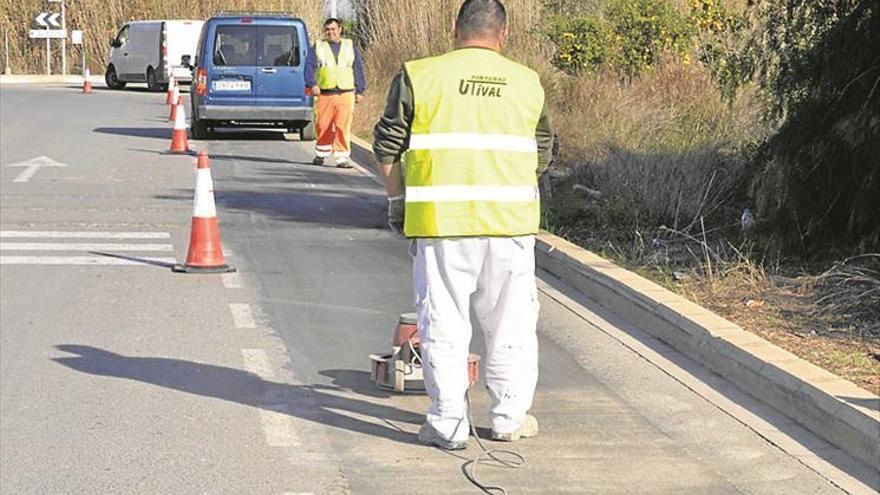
205, 250
169, 95
87, 85
179, 141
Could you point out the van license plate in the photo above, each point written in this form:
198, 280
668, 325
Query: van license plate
236, 85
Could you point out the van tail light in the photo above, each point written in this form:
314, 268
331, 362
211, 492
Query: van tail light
202, 81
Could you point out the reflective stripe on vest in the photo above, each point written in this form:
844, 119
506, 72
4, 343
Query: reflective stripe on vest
335, 72
470, 169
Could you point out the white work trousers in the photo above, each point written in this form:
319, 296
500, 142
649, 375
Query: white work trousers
492, 278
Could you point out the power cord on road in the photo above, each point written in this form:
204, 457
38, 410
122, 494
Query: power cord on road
515, 459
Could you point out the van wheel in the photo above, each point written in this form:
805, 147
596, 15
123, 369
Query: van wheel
307, 131
152, 83
112, 79
200, 129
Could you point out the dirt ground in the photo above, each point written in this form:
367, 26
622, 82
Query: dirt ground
817, 321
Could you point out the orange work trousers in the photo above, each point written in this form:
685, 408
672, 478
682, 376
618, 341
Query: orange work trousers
333, 113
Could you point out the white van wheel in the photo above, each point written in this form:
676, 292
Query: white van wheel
152, 83
112, 79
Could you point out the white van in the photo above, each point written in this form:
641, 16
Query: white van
151, 51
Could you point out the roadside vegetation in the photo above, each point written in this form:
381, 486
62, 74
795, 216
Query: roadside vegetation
727, 149
101, 19
724, 150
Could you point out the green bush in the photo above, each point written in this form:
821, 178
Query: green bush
727, 47
818, 185
644, 29
630, 35
581, 42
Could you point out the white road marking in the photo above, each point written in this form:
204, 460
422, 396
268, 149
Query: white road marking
49, 246
257, 362
231, 280
278, 426
43, 234
31, 166
275, 419
82, 260
242, 316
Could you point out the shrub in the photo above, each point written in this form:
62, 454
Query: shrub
631, 35
581, 43
819, 183
644, 29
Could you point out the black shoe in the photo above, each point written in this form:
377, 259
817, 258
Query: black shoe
318, 160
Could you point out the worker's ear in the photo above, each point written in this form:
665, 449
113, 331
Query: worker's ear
502, 38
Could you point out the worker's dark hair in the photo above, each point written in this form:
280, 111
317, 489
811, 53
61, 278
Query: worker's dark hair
331, 20
480, 18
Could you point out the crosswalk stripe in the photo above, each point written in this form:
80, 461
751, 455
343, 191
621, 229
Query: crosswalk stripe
232, 280
242, 316
82, 260
276, 420
45, 234
50, 246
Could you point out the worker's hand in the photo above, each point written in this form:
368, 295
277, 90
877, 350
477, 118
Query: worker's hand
395, 214
316, 90
358, 98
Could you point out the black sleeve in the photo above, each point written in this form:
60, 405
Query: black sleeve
391, 133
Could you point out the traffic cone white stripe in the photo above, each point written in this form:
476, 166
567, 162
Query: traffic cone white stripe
179, 141
180, 118
203, 202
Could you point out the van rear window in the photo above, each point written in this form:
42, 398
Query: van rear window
235, 45
279, 46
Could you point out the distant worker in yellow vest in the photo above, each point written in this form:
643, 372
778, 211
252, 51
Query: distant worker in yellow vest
472, 134
335, 74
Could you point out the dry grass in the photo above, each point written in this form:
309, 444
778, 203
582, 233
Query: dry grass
101, 19
401, 30
794, 313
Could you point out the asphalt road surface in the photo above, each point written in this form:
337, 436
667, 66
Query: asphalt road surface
120, 376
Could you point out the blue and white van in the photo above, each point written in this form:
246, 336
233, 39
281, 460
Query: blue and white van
250, 70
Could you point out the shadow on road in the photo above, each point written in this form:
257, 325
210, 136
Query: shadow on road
260, 159
147, 132
246, 134
316, 403
135, 259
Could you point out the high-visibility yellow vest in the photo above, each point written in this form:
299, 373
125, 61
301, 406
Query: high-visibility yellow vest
471, 166
335, 72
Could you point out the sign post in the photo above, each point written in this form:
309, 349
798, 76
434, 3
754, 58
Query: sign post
6, 69
49, 21
76, 37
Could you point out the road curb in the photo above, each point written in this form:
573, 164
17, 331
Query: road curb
362, 157
44, 79
835, 409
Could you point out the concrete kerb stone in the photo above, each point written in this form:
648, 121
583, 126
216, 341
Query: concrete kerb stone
48, 79
803, 392
837, 411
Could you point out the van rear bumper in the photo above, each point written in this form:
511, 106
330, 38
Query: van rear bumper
255, 114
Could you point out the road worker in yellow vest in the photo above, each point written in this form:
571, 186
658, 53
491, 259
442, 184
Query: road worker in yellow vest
461, 144
335, 74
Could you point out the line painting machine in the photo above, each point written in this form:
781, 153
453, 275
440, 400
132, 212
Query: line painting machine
401, 370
